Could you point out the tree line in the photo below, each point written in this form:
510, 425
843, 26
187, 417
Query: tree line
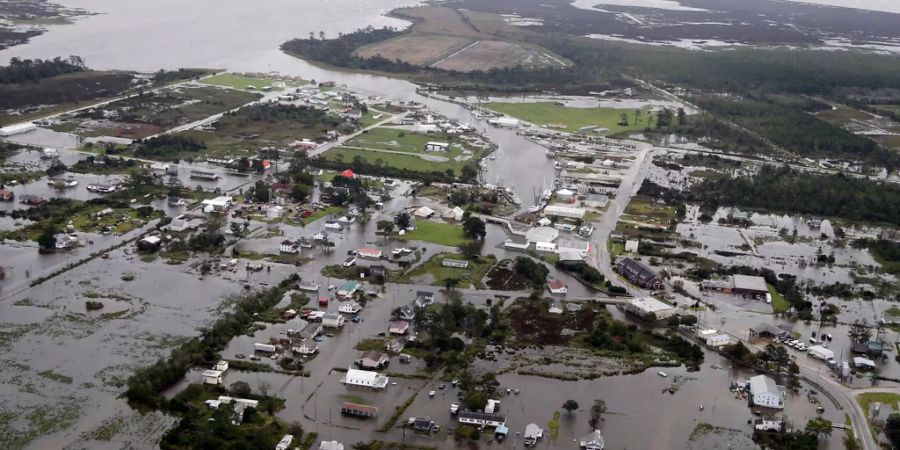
33, 70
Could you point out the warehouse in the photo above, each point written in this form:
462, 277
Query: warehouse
649, 308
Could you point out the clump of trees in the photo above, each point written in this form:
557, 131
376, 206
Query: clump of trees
530, 270
33, 70
168, 146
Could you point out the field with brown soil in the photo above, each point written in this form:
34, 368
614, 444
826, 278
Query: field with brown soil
486, 55
421, 50
445, 38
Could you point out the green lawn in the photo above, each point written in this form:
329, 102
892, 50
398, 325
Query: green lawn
885, 398
242, 82
573, 119
470, 276
779, 304
398, 140
316, 215
437, 233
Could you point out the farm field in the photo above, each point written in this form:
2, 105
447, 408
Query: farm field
443, 38
572, 119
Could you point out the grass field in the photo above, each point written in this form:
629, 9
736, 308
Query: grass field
779, 304
242, 82
887, 108
404, 150
572, 119
437, 233
644, 209
470, 276
886, 398
420, 50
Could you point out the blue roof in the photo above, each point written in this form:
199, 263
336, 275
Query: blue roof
502, 429
349, 286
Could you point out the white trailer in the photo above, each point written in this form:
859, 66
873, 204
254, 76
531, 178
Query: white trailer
17, 129
267, 348
820, 352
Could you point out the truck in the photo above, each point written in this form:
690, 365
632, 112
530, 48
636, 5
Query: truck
820, 352
267, 348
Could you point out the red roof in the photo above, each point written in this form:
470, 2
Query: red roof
348, 174
556, 284
369, 251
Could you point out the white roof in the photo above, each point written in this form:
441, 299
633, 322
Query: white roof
650, 304
749, 282
152, 239
860, 361
424, 211
708, 332
331, 445
762, 384
564, 192
542, 234
564, 211
211, 373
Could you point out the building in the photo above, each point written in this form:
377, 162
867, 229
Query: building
765, 330
541, 234
637, 273
492, 406
369, 253
555, 307
481, 419
433, 146
533, 433
149, 244
333, 320
407, 313
358, 410
395, 345
861, 363
6, 195
423, 212
373, 360
566, 212
18, 128
348, 289
331, 445
213, 377
557, 286
422, 424
307, 347
593, 441
288, 247
507, 122
350, 308
399, 327
649, 308
456, 213
217, 204
285, 442
764, 392
365, 378
424, 299
631, 246
565, 195
455, 263
66, 241
749, 286
310, 331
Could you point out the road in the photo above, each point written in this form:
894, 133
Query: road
330, 145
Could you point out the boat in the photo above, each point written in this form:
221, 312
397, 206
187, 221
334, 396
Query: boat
662, 374
431, 393
701, 407
557, 165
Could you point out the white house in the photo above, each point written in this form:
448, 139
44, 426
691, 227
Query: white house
365, 378
332, 320
350, 308
399, 327
288, 247
217, 204
631, 246
213, 377
285, 442
331, 445
481, 419
456, 213
433, 146
307, 347
764, 392
423, 212
593, 441
221, 366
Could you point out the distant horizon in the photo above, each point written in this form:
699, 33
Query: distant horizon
888, 6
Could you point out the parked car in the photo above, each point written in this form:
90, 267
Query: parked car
349, 262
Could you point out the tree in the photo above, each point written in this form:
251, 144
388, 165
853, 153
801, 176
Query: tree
240, 389
471, 250
385, 226
403, 220
236, 229
892, 429
299, 192
47, 239
570, 405
474, 228
819, 426
451, 283
475, 400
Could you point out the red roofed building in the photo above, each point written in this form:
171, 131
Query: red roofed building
348, 174
557, 287
369, 253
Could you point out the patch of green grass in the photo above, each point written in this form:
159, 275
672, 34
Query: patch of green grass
318, 214
242, 82
885, 398
779, 304
573, 119
437, 233
471, 275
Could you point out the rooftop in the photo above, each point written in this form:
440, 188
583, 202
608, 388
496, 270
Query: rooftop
650, 304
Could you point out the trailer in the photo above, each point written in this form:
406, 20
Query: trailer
267, 348
820, 352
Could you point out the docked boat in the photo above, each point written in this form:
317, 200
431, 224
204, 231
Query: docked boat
662, 374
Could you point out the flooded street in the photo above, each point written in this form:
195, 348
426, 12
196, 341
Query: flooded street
64, 368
